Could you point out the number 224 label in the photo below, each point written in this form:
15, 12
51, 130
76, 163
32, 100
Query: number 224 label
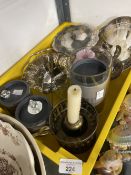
70, 166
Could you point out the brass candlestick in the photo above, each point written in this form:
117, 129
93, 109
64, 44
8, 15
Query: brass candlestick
75, 126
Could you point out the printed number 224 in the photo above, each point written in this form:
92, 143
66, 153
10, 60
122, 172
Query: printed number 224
69, 168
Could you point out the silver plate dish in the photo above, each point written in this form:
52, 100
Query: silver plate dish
73, 38
116, 37
47, 70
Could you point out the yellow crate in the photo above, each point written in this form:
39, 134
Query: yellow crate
114, 98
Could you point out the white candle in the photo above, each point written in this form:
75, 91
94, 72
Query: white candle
74, 103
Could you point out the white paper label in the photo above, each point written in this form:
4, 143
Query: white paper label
100, 94
17, 91
70, 166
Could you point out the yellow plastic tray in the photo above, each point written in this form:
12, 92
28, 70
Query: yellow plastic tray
114, 98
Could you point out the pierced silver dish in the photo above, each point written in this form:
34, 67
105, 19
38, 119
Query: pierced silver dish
47, 70
73, 38
116, 37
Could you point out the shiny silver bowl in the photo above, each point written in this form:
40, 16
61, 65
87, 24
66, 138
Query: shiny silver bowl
47, 70
116, 37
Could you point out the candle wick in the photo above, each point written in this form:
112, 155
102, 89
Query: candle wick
74, 89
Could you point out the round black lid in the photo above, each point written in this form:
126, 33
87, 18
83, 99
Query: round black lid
33, 112
13, 92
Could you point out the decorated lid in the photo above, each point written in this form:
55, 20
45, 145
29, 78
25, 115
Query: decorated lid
33, 112
12, 92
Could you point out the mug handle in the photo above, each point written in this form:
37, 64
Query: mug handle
107, 46
117, 67
117, 52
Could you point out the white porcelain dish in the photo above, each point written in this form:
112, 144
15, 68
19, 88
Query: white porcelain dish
15, 150
16, 156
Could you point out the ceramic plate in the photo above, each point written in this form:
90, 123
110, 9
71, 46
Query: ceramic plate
39, 163
16, 157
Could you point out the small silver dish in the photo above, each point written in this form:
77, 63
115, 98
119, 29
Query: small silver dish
73, 38
47, 70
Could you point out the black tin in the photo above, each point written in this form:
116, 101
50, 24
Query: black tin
33, 121
12, 93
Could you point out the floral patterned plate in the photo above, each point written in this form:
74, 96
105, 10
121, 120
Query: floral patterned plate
16, 157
